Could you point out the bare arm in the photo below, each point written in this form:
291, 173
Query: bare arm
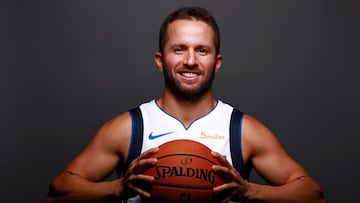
289, 182
82, 180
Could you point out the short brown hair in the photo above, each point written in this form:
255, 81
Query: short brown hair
189, 13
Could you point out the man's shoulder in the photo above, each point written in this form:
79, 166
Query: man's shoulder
117, 127
257, 135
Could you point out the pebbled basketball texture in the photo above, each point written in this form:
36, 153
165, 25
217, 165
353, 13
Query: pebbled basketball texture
183, 173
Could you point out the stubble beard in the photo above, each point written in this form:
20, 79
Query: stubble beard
183, 93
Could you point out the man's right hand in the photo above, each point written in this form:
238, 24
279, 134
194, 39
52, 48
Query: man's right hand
133, 181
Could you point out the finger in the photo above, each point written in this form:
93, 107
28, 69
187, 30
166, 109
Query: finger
143, 164
140, 184
140, 191
223, 188
222, 193
221, 159
143, 161
225, 168
230, 174
148, 153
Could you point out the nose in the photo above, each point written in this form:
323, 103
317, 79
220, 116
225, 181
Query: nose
190, 58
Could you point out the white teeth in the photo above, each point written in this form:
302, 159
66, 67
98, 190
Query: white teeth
189, 75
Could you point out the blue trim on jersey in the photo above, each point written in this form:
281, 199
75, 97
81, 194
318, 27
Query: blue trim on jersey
235, 131
186, 128
236, 144
136, 136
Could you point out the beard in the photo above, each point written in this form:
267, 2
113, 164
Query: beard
186, 93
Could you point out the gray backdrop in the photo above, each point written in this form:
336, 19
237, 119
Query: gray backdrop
69, 66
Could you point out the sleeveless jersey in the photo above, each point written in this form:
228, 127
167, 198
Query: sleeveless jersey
220, 130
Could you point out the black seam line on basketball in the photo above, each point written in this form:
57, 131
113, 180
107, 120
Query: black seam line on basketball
187, 187
187, 155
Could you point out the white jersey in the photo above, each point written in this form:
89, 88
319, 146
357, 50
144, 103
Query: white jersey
211, 129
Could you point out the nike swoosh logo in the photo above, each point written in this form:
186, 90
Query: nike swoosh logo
152, 137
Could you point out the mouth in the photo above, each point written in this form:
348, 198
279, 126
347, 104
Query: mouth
189, 75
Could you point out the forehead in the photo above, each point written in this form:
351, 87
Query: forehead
190, 31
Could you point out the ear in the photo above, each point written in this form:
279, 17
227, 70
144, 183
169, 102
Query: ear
159, 61
218, 63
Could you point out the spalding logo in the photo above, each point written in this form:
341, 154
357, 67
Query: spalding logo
170, 171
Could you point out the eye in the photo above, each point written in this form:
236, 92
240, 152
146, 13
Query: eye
203, 51
178, 50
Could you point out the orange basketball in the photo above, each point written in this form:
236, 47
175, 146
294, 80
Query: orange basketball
183, 173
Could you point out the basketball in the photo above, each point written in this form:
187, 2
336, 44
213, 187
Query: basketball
183, 173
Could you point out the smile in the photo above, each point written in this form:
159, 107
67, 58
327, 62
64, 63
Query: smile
189, 75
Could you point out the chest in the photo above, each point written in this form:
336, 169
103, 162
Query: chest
211, 130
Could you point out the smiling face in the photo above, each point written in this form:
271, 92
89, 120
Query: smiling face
189, 61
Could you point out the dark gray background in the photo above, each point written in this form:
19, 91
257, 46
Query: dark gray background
69, 66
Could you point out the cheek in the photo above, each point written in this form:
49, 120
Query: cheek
174, 61
207, 64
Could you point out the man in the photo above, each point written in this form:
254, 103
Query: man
189, 59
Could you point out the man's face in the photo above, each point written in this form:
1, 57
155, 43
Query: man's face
189, 61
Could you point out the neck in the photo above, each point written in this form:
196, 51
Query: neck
187, 110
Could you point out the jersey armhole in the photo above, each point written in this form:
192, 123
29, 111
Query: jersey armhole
235, 143
235, 140
136, 139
